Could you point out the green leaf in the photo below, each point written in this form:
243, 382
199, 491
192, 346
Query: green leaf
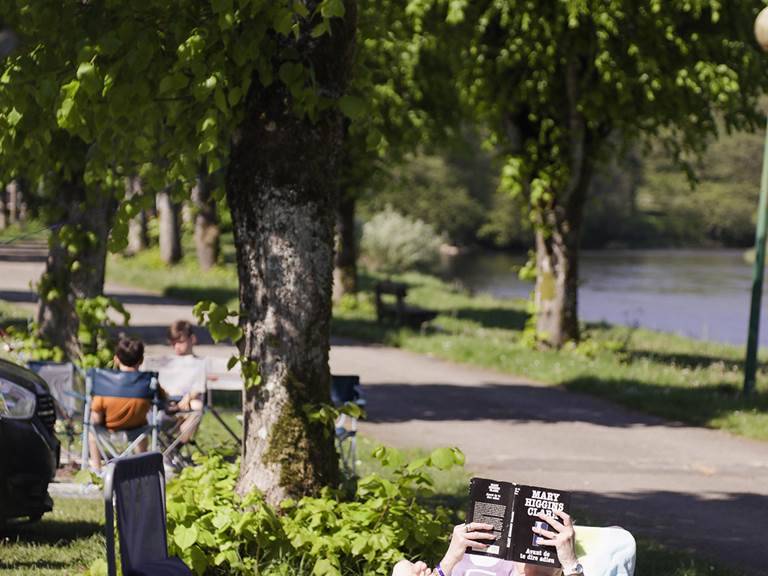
352, 107
185, 536
444, 458
13, 117
332, 9
291, 73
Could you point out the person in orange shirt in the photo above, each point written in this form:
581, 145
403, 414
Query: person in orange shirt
120, 413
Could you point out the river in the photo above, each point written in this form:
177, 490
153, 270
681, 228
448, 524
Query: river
702, 294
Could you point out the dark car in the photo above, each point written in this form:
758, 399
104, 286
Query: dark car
29, 449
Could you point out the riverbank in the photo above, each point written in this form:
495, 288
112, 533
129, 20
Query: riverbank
663, 374
670, 376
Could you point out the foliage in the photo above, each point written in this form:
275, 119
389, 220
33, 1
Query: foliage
162, 82
95, 318
216, 531
650, 69
395, 243
216, 318
429, 189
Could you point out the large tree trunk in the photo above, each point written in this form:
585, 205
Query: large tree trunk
138, 237
281, 193
68, 277
206, 223
169, 215
345, 269
557, 278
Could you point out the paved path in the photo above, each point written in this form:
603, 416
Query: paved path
695, 488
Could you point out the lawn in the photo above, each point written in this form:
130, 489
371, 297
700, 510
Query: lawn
68, 540
65, 541
670, 376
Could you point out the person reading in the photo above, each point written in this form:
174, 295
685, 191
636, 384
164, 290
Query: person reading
561, 536
117, 414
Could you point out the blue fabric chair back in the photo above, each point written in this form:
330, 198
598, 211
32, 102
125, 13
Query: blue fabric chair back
120, 384
344, 388
138, 486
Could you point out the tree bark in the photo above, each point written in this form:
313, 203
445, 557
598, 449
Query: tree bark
3, 208
281, 193
169, 215
14, 202
138, 237
86, 219
206, 223
557, 241
345, 269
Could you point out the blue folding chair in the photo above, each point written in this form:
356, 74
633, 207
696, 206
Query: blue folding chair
135, 486
346, 389
118, 384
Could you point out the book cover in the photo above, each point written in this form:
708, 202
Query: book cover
530, 501
490, 502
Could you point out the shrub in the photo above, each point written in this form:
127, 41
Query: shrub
393, 243
216, 532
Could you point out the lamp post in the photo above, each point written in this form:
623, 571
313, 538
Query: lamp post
750, 365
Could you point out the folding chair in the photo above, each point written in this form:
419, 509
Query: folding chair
601, 552
62, 382
178, 376
118, 384
136, 487
344, 389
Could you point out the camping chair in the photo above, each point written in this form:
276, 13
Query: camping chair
61, 379
601, 551
177, 376
117, 384
346, 389
136, 487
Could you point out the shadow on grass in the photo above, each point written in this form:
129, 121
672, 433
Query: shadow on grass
364, 330
494, 317
49, 531
194, 294
697, 406
683, 360
684, 520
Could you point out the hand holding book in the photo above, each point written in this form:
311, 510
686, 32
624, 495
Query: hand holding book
561, 536
465, 536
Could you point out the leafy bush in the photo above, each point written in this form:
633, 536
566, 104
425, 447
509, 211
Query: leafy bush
216, 532
393, 243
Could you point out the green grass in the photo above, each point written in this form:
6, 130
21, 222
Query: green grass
65, 541
68, 540
677, 378
184, 280
11, 315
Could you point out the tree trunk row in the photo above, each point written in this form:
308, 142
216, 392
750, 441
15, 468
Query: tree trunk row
72, 275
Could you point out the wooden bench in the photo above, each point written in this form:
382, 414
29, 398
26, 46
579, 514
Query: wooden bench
399, 312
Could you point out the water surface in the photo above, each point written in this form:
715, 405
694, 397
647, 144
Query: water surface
702, 294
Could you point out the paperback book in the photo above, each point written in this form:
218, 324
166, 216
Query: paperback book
512, 510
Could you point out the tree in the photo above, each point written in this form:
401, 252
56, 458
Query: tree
206, 222
155, 88
138, 234
555, 82
387, 116
169, 217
